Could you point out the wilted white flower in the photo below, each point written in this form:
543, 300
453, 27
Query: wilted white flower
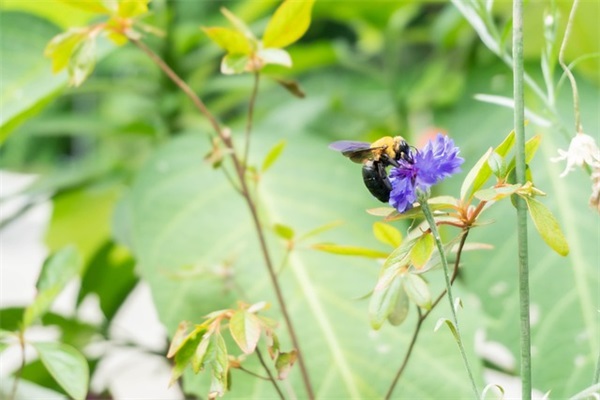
582, 150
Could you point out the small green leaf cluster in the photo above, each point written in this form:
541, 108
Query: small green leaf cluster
203, 347
75, 49
65, 363
247, 53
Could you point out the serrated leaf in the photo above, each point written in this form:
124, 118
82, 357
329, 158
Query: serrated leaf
283, 231
289, 22
132, 8
349, 250
387, 234
82, 61
417, 290
292, 86
230, 40
422, 250
234, 64
383, 302
58, 269
178, 338
67, 366
62, 46
547, 226
275, 56
219, 365
284, 363
245, 330
184, 354
273, 155
200, 352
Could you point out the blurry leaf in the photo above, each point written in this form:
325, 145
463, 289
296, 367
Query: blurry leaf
275, 56
245, 330
273, 155
417, 290
320, 229
474, 174
422, 250
73, 331
292, 86
435, 203
95, 6
349, 250
383, 302
217, 357
531, 147
381, 211
496, 193
57, 271
61, 47
67, 365
260, 306
200, 353
29, 390
234, 64
284, 231
11, 318
510, 103
497, 165
284, 363
178, 338
132, 8
401, 308
237, 23
272, 344
231, 40
387, 234
289, 22
82, 61
489, 387
184, 353
547, 226
450, 325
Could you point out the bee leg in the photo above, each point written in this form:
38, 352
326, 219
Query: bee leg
390, 161
383, 174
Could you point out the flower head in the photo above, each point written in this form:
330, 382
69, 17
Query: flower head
582, 150
436, 161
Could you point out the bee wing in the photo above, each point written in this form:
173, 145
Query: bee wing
355, 151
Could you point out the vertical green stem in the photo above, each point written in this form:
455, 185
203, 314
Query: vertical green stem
519, 122
448, 278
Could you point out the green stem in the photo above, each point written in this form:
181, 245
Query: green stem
519, 122
250, 117
561, 60
597, 373
13, 392
448, 278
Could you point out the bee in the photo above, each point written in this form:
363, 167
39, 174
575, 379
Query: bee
375, 158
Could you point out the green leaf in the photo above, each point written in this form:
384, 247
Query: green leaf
238, 24
82, 61
320, 229
273, 155
67, 366
179, 338
95, 6
245, 330
61, 47
547, 226
531, 147
496, 193
476, 173
200, 354
57, 271
289, 22
284, 231
417, 290
384, 302
422, 250
387, 234
284, 363
231, 40
449, 324
275, 56
435, 203
496, 164
132, 8
219, 365
401, 308
184, 352
349, 250
234, 64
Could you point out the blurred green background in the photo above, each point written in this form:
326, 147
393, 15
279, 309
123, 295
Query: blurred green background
121, 160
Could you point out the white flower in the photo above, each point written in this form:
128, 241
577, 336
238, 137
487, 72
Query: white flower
582, 150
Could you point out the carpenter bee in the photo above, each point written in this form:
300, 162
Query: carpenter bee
375, 158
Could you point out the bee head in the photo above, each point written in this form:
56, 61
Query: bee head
401, 149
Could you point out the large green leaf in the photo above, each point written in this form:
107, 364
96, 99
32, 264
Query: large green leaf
184, 213
67, 365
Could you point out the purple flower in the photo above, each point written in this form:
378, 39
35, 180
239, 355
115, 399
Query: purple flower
436, 161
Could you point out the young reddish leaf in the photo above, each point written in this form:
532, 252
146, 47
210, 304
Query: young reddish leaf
230, 40
289, 22
234, 64
422, 250
61, 47
349, 250
67, 366
275, 56
292, 86
132, 8
547, 226
82, 61
273, 155
95, 6
245, 330
401, 308
383, 302
417, 290
387, 234
283, 231
284, 363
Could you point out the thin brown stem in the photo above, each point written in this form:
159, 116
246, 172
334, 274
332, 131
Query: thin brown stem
561, 60
250, 118
240, 170
271, 377
423, 316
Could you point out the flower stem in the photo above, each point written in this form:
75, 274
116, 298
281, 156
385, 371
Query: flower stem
447, 277
519, 122
240, 170
250, 118
561, 60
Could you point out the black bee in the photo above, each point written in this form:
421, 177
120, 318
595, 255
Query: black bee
376, 157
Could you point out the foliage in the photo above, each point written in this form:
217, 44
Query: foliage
240, 217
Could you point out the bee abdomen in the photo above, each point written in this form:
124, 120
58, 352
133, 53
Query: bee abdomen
376, 180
